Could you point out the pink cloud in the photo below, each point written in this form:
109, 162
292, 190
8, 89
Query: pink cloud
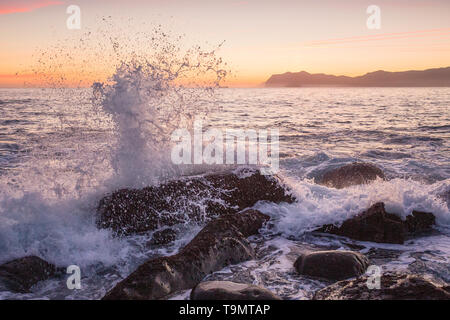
16, 6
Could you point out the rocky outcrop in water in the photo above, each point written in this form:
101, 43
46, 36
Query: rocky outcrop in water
195, 199
221, 243
227, 290
332, 265
437, 77
352, 174
393, 286
376, 225
21, 274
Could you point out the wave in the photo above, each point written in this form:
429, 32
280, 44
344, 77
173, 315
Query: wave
319, 205
48, 204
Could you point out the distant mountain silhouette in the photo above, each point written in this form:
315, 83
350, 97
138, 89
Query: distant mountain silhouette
439, 77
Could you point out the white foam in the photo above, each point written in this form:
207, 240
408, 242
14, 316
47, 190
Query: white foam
317, 205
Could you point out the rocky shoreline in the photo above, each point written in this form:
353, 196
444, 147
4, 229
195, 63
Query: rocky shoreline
223, 204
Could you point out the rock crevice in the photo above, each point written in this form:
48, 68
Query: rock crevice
221, 243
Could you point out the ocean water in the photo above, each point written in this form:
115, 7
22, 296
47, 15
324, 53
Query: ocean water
61, 151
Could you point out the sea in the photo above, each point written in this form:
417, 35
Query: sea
62, 150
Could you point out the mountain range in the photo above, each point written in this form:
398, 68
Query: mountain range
439, 77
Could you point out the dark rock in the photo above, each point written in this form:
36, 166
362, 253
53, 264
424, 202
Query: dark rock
221, 243
376, 225
163, 237
351, 174
394, 286
419, 221
21, 274
333, 265
380, 256
227, 290
195, 199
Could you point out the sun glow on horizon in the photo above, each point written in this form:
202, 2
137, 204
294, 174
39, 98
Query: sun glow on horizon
262, 38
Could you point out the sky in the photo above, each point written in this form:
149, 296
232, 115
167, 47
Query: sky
259, 37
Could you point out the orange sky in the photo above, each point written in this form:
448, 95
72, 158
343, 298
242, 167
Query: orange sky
261, 37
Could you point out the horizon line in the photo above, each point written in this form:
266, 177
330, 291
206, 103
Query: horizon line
229, 85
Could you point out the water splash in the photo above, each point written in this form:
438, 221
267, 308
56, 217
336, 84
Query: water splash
318, 205
142, 89
93, 140
147, 102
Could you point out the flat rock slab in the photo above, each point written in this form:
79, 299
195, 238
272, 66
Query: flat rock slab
352, 174
220, 243
195, 199
20, 275
393, 286
227, 290
332, 265
377, 225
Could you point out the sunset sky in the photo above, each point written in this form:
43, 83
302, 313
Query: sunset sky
261, 37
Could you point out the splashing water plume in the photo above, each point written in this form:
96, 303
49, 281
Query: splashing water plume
147, 86
84, 142
147, 105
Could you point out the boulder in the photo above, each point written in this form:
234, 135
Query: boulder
332, 265
194, 199
220, 243
418, 222
21, 274
352, 174
227, 290
376, 225
393, 286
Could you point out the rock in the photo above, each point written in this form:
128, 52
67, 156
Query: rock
163, 237
333, 265
445, 196
419, 221
394, 286
376, 225
221, 243
21, 274
351, 174
227, 290
195, 199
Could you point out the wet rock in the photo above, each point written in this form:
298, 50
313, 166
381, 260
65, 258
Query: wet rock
394, 286
21, 274
376, 225
195, 199
446, 197
333, 265
165, 236
221, 243
380, 256
351, 174
227, 290
431, 263
419, 222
